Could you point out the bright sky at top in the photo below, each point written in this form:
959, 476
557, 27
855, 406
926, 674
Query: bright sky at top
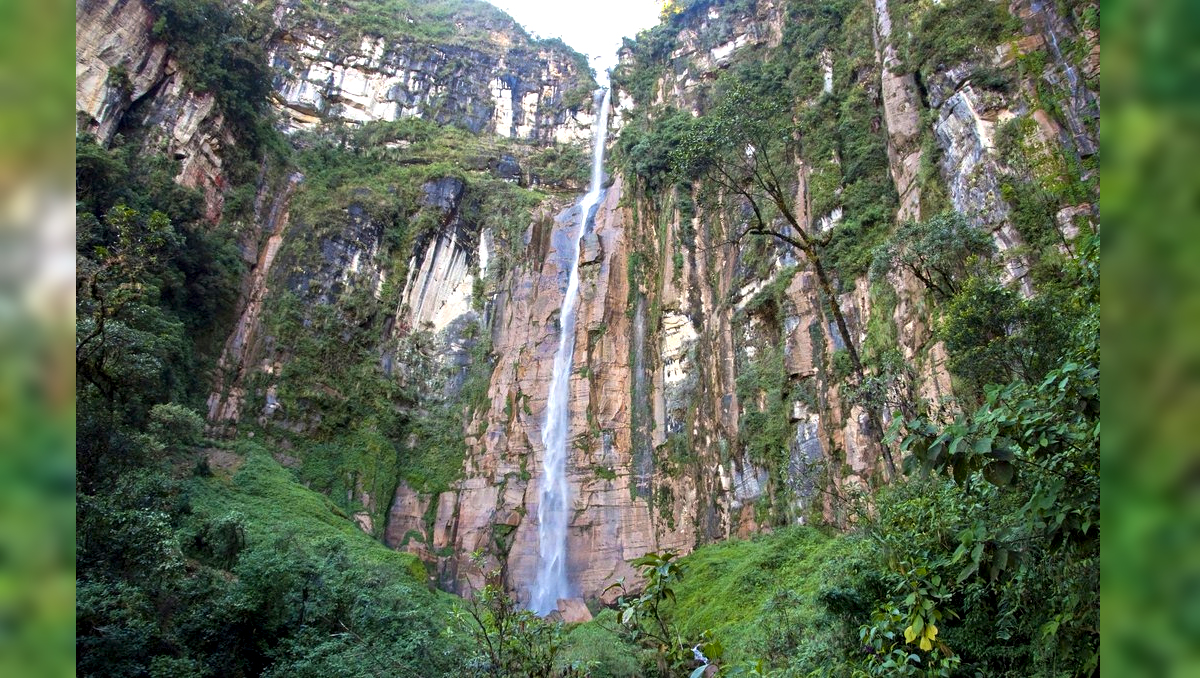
593, 28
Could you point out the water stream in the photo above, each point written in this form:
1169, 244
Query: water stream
551, 582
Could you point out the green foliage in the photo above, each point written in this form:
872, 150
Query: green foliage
560, 165
765, 426
646, 616
468, 23
1026, 465
762, 597
949, 33
221, 45
176, 426
940, 251
275, 582
153, 288
602, 651
841, 368
994, 334
644, 149
507, 639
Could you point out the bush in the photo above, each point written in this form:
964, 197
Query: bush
940, 251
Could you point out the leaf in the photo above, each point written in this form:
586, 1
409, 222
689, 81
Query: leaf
627, 615
699, 671
925, 644
999, 563
999, 473
977, 553
966, 572
909, 635
1002, 454
959, 553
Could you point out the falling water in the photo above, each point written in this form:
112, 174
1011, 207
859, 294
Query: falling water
551, 582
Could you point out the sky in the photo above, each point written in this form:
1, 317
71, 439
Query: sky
593, 28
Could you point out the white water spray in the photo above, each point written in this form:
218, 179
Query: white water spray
551, 582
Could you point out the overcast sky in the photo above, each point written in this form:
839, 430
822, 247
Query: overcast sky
594, 28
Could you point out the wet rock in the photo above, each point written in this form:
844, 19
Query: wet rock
574, 610
589, 249
508, 168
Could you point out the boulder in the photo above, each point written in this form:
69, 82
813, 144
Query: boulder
574, 610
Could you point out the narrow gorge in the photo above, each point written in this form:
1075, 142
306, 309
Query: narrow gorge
387, 300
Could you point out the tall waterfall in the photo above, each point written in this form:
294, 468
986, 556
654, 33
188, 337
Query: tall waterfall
551, 582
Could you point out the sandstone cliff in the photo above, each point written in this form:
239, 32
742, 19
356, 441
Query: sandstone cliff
710, 397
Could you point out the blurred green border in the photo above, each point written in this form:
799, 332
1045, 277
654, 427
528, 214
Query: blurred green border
37, 407
1150, 319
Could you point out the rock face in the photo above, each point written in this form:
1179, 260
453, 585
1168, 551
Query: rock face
509, 86
525, 93
517, 89
669, 325
116, 61
675, 323
514, 88
500, 490
119, 68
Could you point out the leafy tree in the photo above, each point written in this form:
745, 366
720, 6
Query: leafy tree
995, 335
740, 146
646, 617
509, 639
940, 252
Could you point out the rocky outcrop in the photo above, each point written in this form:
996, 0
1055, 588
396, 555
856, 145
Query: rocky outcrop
121, 69
516, 89
117, 61
242, 347
706, 45
524, 90
968, 116
902, 114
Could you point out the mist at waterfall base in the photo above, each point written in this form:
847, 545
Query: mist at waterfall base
551, 582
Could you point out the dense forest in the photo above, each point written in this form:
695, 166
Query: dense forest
960, 538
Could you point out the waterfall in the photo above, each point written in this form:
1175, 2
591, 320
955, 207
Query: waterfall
551, 582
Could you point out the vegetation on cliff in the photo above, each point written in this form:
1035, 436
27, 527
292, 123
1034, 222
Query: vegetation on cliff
261, 555
205, 557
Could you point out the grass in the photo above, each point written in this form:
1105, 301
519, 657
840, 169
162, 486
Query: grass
273, 504
726, 587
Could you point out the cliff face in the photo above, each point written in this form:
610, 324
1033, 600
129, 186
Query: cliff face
120, 68
679, 322
709, 396
515, 88
523, 91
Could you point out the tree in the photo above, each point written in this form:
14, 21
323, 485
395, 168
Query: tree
645, 617
510, 640
743, 146
939, 251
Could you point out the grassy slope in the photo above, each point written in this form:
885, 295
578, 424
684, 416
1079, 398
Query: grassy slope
744, 591
274, 505
727, 587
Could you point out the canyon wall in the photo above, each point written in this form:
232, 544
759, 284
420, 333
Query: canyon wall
710, 393
676, 322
